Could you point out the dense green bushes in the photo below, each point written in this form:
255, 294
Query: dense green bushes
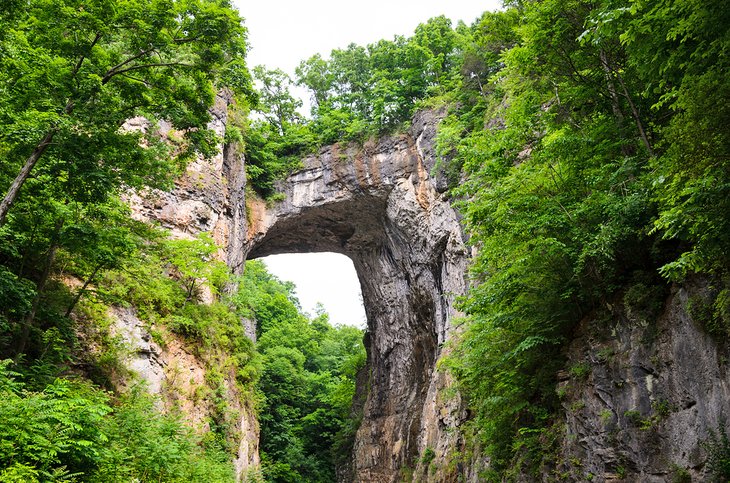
307, 382
577, 192
73, 431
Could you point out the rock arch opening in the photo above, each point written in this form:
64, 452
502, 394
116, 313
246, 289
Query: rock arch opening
379, 205
324, 278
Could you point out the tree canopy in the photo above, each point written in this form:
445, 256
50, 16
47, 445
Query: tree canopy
74, 72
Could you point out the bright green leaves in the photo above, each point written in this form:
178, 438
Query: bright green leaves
680, 49
61, 423
195, 264
71, 431
359, 91
608, 134
374, 89
74, 72
276, 104
558, 207
307, 381
274, 144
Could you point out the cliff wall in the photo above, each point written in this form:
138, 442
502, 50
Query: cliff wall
642, 396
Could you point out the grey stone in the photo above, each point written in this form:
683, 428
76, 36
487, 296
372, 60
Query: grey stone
378, 205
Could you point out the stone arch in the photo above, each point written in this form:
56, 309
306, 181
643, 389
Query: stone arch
378, 205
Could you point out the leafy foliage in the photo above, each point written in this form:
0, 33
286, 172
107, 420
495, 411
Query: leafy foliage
72, 431
307, 382
67, 62
577, 192
718, 449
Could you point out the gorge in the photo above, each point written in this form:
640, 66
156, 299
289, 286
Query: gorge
641, 398
537, 206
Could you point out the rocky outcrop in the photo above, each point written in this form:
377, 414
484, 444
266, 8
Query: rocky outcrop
641, 396
379, 205
645, 395
208, 198
178, 376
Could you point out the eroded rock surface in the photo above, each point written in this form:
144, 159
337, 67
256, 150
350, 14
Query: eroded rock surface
379, 205
653, 393
208, 198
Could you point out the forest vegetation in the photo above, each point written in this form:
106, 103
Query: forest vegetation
586, 144
73, 72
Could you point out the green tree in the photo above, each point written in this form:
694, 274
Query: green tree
314, 73
195, 264
74, 72
307, 381
276, 104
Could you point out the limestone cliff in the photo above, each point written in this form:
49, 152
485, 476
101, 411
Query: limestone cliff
648, 395
379, 205
208, 198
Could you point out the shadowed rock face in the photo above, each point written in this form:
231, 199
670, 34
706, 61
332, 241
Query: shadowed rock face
378, 205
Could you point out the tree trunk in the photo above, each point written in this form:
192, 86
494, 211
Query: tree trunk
626, 150
636, 116
14, 189
83, 289
40, 287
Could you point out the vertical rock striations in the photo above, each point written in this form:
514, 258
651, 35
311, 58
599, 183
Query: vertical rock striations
379, 205
210, 197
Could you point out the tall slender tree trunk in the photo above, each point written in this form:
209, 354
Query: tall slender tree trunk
40, 287
636, 116
626, 149
612, 73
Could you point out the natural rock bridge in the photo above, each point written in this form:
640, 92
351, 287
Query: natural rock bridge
379, 205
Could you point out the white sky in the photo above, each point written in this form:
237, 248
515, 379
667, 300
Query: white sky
284, 32
328, 278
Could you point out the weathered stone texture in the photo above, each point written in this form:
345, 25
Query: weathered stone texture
378, 205
654, 393
209, 197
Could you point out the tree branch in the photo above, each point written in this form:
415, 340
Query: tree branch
110, 75
111, 72
77, 67
14, 189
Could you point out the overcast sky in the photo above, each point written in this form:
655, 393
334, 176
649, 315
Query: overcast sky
284, 32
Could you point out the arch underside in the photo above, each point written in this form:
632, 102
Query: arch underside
379, 207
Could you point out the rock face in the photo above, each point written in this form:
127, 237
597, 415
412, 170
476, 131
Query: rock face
175, 374
650, 395
378, 205
208, 198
